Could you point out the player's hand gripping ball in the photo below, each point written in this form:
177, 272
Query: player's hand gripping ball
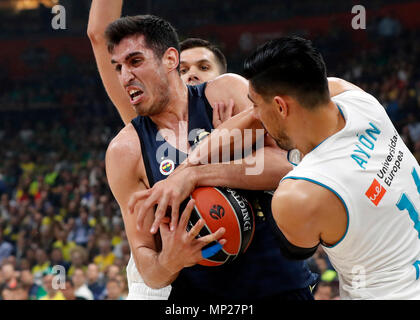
223, 207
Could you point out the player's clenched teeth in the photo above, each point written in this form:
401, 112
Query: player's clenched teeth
134, 93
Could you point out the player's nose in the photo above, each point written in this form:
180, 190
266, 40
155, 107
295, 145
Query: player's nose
193, 77
126, 76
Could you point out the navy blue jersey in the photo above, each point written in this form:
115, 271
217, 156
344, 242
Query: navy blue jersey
261, 272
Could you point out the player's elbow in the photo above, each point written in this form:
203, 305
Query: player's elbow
233, 83
95, 35
92, 35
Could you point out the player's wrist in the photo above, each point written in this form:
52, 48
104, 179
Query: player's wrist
171, 266
191, 161
193, 175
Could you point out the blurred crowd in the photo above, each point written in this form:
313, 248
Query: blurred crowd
390, 71
57, 214
50, 83
56, 210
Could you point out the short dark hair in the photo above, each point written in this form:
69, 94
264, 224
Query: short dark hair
191, 43
289, 65
159, 34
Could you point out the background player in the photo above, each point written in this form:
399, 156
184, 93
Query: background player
201, 61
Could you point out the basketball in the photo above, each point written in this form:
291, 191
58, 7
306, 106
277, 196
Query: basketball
223, 207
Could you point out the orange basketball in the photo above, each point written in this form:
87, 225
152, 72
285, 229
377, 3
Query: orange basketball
223, 207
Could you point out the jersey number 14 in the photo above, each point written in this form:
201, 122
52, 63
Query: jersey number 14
405, 204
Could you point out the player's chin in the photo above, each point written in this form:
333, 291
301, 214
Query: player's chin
141, 110
285, 145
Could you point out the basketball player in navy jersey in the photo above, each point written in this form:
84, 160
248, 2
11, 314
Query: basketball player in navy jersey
200, 62
145, 55
356, 191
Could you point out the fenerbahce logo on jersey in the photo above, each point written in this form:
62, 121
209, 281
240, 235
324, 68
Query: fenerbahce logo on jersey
166, 167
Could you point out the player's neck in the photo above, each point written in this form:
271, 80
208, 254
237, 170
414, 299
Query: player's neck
320, 124
177, 108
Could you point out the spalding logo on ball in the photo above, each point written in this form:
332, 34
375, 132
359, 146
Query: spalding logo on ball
223, 207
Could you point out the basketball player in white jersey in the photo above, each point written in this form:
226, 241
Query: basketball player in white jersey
356, 191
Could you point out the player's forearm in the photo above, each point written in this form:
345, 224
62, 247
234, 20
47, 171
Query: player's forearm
262, 170
102, 13
235, 127
153, 271
217, 141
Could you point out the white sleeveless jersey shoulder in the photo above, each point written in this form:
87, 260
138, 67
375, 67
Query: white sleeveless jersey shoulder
368, 166
138, 290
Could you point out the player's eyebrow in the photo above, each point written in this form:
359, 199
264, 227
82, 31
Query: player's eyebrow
130, 55
199, 61
249, 97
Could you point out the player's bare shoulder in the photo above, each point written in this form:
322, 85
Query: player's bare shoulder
126, 143
337, 86
309, 208
297, 196
307, 197
124, 151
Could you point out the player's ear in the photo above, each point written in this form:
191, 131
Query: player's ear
171, 59
281, 106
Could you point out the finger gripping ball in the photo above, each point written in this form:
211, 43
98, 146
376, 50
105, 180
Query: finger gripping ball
223, 207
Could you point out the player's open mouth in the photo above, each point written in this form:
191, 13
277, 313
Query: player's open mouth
135, 94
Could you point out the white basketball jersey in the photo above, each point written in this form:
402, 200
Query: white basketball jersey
370, 169
138, 290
